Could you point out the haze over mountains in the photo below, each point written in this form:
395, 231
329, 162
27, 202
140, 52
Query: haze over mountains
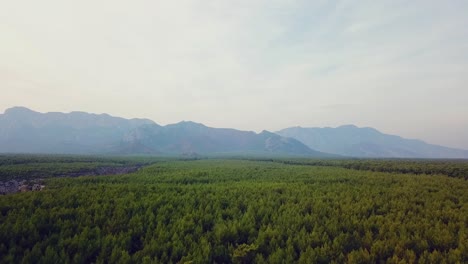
190, 137
349, 140
25, 131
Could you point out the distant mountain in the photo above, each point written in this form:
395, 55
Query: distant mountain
190, 137
24, 130
353, 141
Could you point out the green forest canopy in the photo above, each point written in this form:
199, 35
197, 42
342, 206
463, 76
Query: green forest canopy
237, 211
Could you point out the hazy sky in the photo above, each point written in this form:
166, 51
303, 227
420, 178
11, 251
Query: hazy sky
398, 66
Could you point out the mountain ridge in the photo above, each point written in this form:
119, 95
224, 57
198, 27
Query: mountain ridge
191, 137
368, 142
28, 131
23, 130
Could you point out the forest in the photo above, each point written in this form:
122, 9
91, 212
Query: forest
457, 168
239, 211
33, 166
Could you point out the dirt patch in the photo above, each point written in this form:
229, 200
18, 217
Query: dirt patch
15, 186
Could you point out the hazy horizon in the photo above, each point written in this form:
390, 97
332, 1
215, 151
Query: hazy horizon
400, 67
195, 121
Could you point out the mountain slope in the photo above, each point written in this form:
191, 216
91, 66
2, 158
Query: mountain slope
24, 130
353, 141
190, 137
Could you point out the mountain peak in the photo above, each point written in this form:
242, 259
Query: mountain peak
18, 110
350, 126
188, 124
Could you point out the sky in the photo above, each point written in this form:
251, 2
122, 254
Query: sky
398, 66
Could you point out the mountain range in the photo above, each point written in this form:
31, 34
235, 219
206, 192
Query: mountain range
349, 140
189, 137
26, 131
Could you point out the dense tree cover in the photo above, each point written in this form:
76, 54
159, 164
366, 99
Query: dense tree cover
239, 212
451, 168
11, 159
28, 166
